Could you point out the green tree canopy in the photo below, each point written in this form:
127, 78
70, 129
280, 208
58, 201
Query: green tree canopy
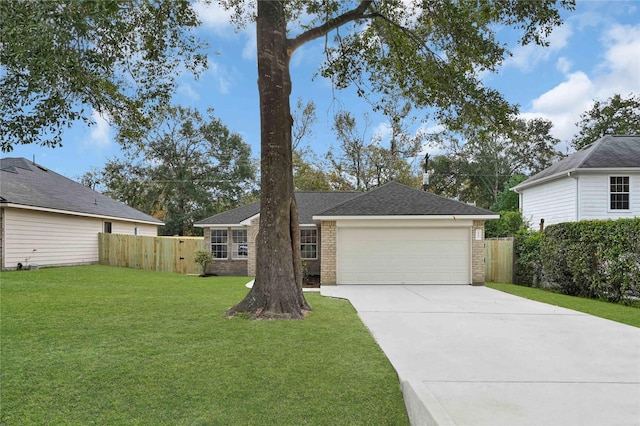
615, 116
478, 163
309, 172
60, 61
187, 168
508, 200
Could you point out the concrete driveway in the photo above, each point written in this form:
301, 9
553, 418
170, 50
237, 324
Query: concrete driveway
476, 356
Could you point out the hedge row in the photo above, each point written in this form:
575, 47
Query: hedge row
528, 258
595, 259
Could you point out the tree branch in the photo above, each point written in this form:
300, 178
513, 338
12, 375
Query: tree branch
331, 24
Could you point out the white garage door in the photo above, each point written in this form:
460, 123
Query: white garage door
403, 255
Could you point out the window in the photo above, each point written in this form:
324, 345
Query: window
106, 228
239, 246
619, 192
308, 243
136, 231
219, 243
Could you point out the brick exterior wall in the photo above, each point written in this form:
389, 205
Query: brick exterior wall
328, 255
229, 267
477, 254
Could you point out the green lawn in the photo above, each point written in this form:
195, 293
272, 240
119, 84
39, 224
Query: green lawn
105, 345
615, 312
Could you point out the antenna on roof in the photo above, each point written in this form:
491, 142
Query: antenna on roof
425, 175
34, 159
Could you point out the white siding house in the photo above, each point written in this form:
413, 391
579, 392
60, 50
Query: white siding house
47, 219
601, 181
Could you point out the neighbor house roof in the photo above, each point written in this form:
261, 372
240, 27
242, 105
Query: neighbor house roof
608, 152
394, 199
391, 199
26, 184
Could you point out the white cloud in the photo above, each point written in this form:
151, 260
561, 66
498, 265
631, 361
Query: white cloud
566, 94
222, 77
617, 73
563, 65
187, 90
250, 49
526, 57
563, 105
224, 85
382, 132
433, 149
621, 69
100, 136
215, 17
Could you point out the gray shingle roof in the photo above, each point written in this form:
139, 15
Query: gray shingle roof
394, 199
232, 217
309, 204
312, 203
607, 152
26, 183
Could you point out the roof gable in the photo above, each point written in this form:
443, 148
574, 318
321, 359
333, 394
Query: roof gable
26, 183
395, 199
608, 152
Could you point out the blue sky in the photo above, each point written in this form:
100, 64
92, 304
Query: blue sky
595, 54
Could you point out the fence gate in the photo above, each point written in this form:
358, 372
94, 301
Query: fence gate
163, 254
498, 260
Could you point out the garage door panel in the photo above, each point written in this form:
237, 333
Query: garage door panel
403, 255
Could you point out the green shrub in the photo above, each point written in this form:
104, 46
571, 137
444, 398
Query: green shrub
204, 259
508, 225
528, 258
595, 259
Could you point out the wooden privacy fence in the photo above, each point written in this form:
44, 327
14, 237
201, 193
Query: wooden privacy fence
163, 254
498, 260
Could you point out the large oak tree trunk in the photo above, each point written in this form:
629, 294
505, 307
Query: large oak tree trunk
277, 291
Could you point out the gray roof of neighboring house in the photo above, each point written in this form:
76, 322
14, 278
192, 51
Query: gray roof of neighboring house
391, 199
25, 183
608, 152
394, 199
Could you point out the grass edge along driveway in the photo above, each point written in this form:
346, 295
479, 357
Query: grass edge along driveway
612, 311
106, 345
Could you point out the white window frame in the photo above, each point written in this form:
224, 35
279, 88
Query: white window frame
313, 243
107, 227
622, 192
219, 243
236, 242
